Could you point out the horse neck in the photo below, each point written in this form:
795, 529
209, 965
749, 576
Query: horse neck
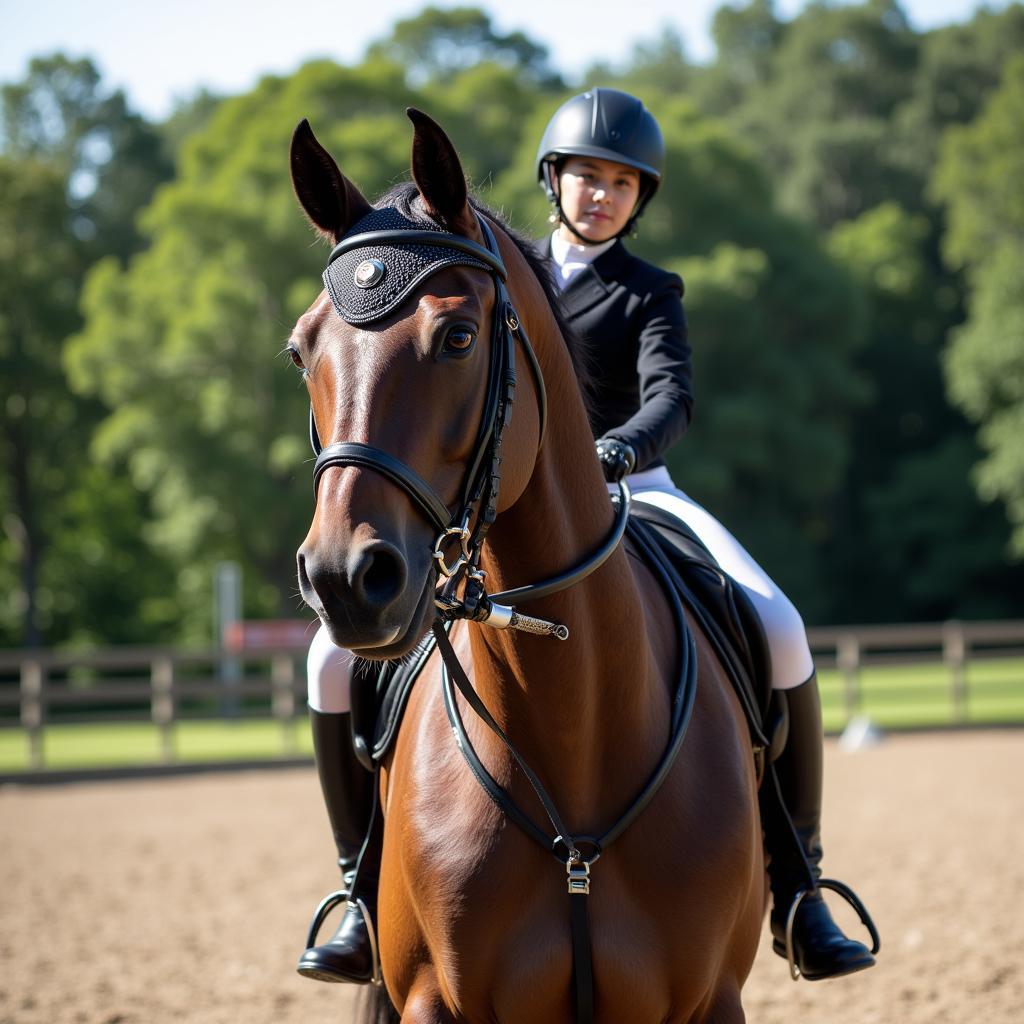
566, 702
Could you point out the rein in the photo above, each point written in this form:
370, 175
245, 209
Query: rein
462, 594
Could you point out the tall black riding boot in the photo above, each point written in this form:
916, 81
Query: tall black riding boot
818, 949
348, 793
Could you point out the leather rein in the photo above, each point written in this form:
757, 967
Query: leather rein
462, 593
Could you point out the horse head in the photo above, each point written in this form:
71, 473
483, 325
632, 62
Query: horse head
409, 390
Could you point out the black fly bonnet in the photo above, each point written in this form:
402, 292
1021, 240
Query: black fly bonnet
373, 271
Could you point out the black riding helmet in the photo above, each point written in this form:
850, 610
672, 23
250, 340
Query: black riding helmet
609, 125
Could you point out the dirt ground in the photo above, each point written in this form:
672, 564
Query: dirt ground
187, 899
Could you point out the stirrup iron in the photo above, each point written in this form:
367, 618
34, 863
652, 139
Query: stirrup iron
327, 904
849, 895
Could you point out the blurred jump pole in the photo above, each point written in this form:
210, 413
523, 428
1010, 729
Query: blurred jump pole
227, 610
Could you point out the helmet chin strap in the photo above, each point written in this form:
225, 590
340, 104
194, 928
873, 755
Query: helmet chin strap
559, 216
561, 219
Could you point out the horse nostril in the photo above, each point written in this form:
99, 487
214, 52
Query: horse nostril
379, 574
304, 583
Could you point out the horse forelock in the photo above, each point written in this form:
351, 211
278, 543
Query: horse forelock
406, 199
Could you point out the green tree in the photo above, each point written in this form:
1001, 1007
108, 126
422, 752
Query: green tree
181, 344
821, 115
913, 542
111, 159
74, 164
486, 108
980, 178
38, 444
437, 44
958, 68
746, 40
658, 66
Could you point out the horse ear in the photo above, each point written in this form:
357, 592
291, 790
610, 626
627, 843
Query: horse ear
439, 176
332, 203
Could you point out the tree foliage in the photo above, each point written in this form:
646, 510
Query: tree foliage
75, 166
842, 198
439, 43
981, 180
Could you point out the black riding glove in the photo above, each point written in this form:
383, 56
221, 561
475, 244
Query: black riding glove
617, 458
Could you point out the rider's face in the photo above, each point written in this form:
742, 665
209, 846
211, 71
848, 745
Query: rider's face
597, 197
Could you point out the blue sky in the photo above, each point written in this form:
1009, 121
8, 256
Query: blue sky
160, 52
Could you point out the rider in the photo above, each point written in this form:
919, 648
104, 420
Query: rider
600, 161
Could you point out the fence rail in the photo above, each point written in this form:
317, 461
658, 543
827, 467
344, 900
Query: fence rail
166, 686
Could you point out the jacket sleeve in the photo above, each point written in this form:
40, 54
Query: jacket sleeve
665, 370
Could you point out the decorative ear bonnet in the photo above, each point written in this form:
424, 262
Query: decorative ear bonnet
373, 270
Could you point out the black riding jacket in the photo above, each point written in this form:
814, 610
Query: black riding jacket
630, 314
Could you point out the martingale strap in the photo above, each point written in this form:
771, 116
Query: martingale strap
563, 845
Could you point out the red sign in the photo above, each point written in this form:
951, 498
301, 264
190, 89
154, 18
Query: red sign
269, 634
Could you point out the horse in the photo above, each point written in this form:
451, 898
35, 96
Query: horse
472, 923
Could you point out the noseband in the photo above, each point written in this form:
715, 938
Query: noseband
394, 256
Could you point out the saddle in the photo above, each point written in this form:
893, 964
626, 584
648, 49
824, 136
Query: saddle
720, 606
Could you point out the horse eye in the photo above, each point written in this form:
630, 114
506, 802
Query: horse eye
459, 340
295, 357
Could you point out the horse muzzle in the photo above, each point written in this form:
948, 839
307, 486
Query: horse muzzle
363, 595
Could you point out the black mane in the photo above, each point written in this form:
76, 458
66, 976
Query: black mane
403, 197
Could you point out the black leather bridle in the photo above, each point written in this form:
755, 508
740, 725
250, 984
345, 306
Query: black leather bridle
467, 526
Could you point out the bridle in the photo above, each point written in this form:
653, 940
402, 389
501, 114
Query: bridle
461, 534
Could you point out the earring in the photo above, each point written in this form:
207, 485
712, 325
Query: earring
553, 217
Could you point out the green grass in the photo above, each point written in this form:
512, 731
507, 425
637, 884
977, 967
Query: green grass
912, 696
915, 696
134, 743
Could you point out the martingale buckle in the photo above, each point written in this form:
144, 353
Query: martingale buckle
578, 872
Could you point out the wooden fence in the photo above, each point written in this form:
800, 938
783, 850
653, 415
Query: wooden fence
166, 686
161, 685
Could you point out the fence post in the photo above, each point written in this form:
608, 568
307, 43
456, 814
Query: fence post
33, 709
848, 661
954, 654
282, 681
162, 704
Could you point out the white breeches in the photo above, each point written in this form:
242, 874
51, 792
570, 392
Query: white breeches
327, 674
327, 666
783, 627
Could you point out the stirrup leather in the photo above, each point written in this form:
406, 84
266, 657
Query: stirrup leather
849, 895
327, 904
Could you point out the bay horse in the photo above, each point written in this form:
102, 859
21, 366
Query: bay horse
472, 917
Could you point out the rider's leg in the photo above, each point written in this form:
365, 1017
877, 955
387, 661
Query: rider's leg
821, 950
348, 794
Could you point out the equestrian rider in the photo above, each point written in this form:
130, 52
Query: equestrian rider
600, 162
